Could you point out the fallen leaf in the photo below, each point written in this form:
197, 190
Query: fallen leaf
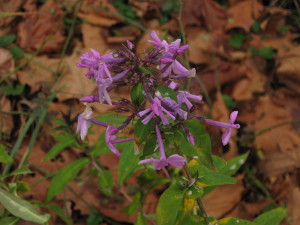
251, 10
9, 6
33, 29
101, 13
208, 14
6, 62
222, 200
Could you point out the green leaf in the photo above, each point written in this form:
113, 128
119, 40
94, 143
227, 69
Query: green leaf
95, 218
169, 205
202, 142
65, 140
209, 177
9, 220
237, 40
63, 176
167, 92
140, 220
255, 28
19, 171
21, 208
130, 209
137, 94
7, 40
111, 118
219, 163
272, 217
235, 221
106, 182
16, 52
230, 103
184, 145
141, 130
128, 162
59, 212
150, 146
4, 157
267, 52
13, 90
234, 164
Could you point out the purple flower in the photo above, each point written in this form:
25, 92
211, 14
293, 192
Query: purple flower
83, 121
161, 44
172, 106
184, 96
229, 126
103, 84
111, 139
175, 70
98, 65
158, 110
174, 160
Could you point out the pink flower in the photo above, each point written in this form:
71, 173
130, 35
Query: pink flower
111, 140
229, 126
184, 96
83, 122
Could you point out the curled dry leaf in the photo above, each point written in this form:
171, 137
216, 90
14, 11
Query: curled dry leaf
34, 28
293, 204
208, 14
243, 14
6, 120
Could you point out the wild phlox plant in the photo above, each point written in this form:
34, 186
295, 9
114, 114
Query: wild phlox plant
156, 100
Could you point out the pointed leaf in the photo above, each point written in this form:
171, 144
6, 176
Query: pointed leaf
4, 157
128, 162
9, 220
63, 176
272, 217
169, 205
21, 208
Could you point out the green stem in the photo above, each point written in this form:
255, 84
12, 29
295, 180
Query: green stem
190, 180
18, 143
276, 126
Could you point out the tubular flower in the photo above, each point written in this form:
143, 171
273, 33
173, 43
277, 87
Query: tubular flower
83, 121
174, 160
184, 96
158, 110
111, 140
229, 126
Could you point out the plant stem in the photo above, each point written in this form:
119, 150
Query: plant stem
191, 180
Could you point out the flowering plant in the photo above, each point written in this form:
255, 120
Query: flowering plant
169, 129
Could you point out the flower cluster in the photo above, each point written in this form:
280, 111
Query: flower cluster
124, 68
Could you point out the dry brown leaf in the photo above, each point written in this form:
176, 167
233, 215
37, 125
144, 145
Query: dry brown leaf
223, 199
279, 139
74, 83
243, 14
92, 38
6, 120
288, 71
293, 204
254, 81
227, 73
208, 14
35, 75
279, 163
6, 62
9, 6
33, 29
101, 13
